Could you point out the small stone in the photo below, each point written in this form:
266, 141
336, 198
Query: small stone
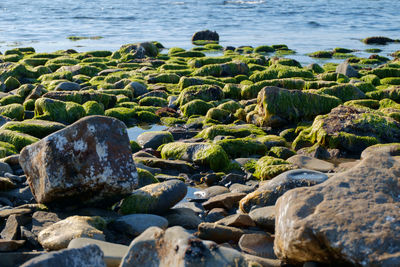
135, 224
88, 256
10, 245
57, 236
219, 233
67, 86
264, 217
232, 178
346, 69
261, 245
315, 164
227, 201
184, 217
215, 214
241, 188
154, 139
237, 220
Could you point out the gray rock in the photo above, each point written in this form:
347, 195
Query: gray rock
12, 259
113, 253
176, 247
11, 230
4, 167
226, 201
194, 206
99, 166
353, 217
138, 88
346, 69
135, 224
241, 188
67, 86
88, 256
154, 198
43, 219
237, 220
184, 217
10, 245
260, 244
215, 215
167, 166
305, 162
154, 139
57, 236
268, 193
264, 217
213, 191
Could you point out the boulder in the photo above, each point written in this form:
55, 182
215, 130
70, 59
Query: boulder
351, 218
311, 163
349, 128
346, 69
205, 35
268, 193
58, 235
176, 247
99, 166
277, 106
88, 256
154, 198
258, 244
154, 139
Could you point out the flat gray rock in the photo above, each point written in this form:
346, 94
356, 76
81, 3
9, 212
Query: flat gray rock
135, 224
305, 162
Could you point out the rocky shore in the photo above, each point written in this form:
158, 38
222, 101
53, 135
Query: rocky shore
263, 161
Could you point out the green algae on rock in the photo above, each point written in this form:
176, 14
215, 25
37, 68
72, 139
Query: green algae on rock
268, 167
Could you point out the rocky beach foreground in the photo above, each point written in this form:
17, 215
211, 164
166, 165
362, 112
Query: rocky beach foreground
263, 161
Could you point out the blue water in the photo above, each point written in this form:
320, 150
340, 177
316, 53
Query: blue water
304, 25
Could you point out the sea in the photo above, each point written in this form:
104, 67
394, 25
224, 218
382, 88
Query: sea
304, 25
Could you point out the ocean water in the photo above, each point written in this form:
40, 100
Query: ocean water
304, 25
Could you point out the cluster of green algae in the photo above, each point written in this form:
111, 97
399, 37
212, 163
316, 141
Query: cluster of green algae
216, 91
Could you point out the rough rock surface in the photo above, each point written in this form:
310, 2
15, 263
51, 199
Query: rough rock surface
99, 163
346, 69
176, 247
352, 217
267, 194
88, 256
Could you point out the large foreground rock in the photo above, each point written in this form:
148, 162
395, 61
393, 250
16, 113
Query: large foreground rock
88, 256
176, 247
353, 217
89, 160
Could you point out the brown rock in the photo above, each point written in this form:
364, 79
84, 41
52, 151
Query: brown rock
10, 245
264, 217
11, 230
353, 217
227, 201
99, 164
219, 233
237, 220
260, 244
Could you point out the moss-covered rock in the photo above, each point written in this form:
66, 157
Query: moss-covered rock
203, 92
349, 128
18, 140
369, 103
127, 115
211, 155
276, 106
232, 91
344, 92
281, 152
185, 82
200, 62
268, 167
238, 131
11, 99
93, 108
153, 101
56, 110
230, 106
391, 93
7, 149
385, 72
13, 111
251, 91
145, 177
81, 97
196, 107
11, 83
321, 54
163, 78
242, 147
36, 128
223, 70
147, 116
218, 114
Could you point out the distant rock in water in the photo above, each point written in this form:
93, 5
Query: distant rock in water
205, 35
88, 161
378, 40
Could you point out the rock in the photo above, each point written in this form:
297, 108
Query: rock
68, 86
226, 201
277, 106
208, 154
11, 230
183, 217
176, 247
268, 167
12, 259
135, 224
100, 163
346, 69
205, 35
268, 193
43, 219
237, 220
204, 92
194, 206
261, 245
4, 167
264, 217
344, 92
215, 214
138, 51
232, 178
241, 188
381, 40
310, 163
58, 235
10, 245
138, 88
154, 198
6, 184
213, 191
353, 217
113, 253
167, 166
219, 233
88, 256
349, 128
